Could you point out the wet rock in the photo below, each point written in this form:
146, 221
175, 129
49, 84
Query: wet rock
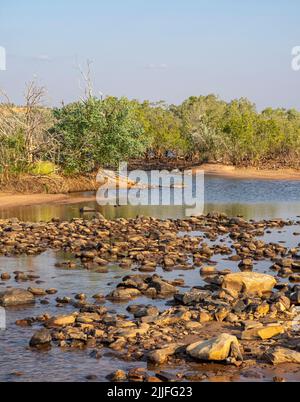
5, 276
133, 332
160, 356
91, 377
37, 291
61, 321
51, 291
118, 375
14, 297
124, 294
216, 349
95, 354
208, 271
162, 287
192, 297
294, 278
246, 264
21, 277
137, 375
248, 283
80, 296
41, 339
282, 355
146, 311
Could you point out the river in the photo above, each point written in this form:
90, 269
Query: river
253, 199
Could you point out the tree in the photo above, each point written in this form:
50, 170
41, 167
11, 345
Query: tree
96, 132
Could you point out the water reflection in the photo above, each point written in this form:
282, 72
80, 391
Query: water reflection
252, 199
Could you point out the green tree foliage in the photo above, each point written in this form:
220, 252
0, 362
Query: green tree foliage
85, 135
97, 132
162, 129
201, 119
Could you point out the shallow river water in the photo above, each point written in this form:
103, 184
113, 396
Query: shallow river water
249, 198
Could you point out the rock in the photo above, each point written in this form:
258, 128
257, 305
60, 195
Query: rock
146, 311
204, 316
124, 294
5, 276
133, 332
15, 297
169, 262
264, 332
61, 321
51, 291
247, 263
137, 375
249, 283
192, 297
37, 291
162, 287
221, 314
160, 356
208, 271
40, 339
216, 349
118, 375
192, 325
282, 355
80, 296
263, 309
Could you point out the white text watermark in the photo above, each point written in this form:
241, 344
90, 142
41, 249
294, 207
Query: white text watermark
152, 188
2, 58
296, 58
2, 319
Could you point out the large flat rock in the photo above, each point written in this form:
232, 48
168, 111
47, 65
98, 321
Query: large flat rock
248, 283
16, 297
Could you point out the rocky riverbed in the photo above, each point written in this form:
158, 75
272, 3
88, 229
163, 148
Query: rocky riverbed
236, 319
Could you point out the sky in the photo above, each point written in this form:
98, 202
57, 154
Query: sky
153, 49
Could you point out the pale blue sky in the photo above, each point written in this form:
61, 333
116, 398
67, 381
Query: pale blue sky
154, 49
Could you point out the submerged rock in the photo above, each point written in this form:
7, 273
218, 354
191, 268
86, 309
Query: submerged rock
41, 339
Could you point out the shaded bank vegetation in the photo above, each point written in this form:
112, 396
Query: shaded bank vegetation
82, 136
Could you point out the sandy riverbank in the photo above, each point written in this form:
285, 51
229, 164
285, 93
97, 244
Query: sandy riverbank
11, 199
249, 173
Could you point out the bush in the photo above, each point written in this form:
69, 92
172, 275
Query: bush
95, 132
43, 168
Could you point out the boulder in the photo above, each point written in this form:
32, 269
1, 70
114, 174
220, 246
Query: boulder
162, 287
15, 297
124, 294
282, 355
40, 339
249, 283
216, 349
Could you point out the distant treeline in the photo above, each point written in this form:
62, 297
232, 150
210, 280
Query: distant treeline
82, 136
